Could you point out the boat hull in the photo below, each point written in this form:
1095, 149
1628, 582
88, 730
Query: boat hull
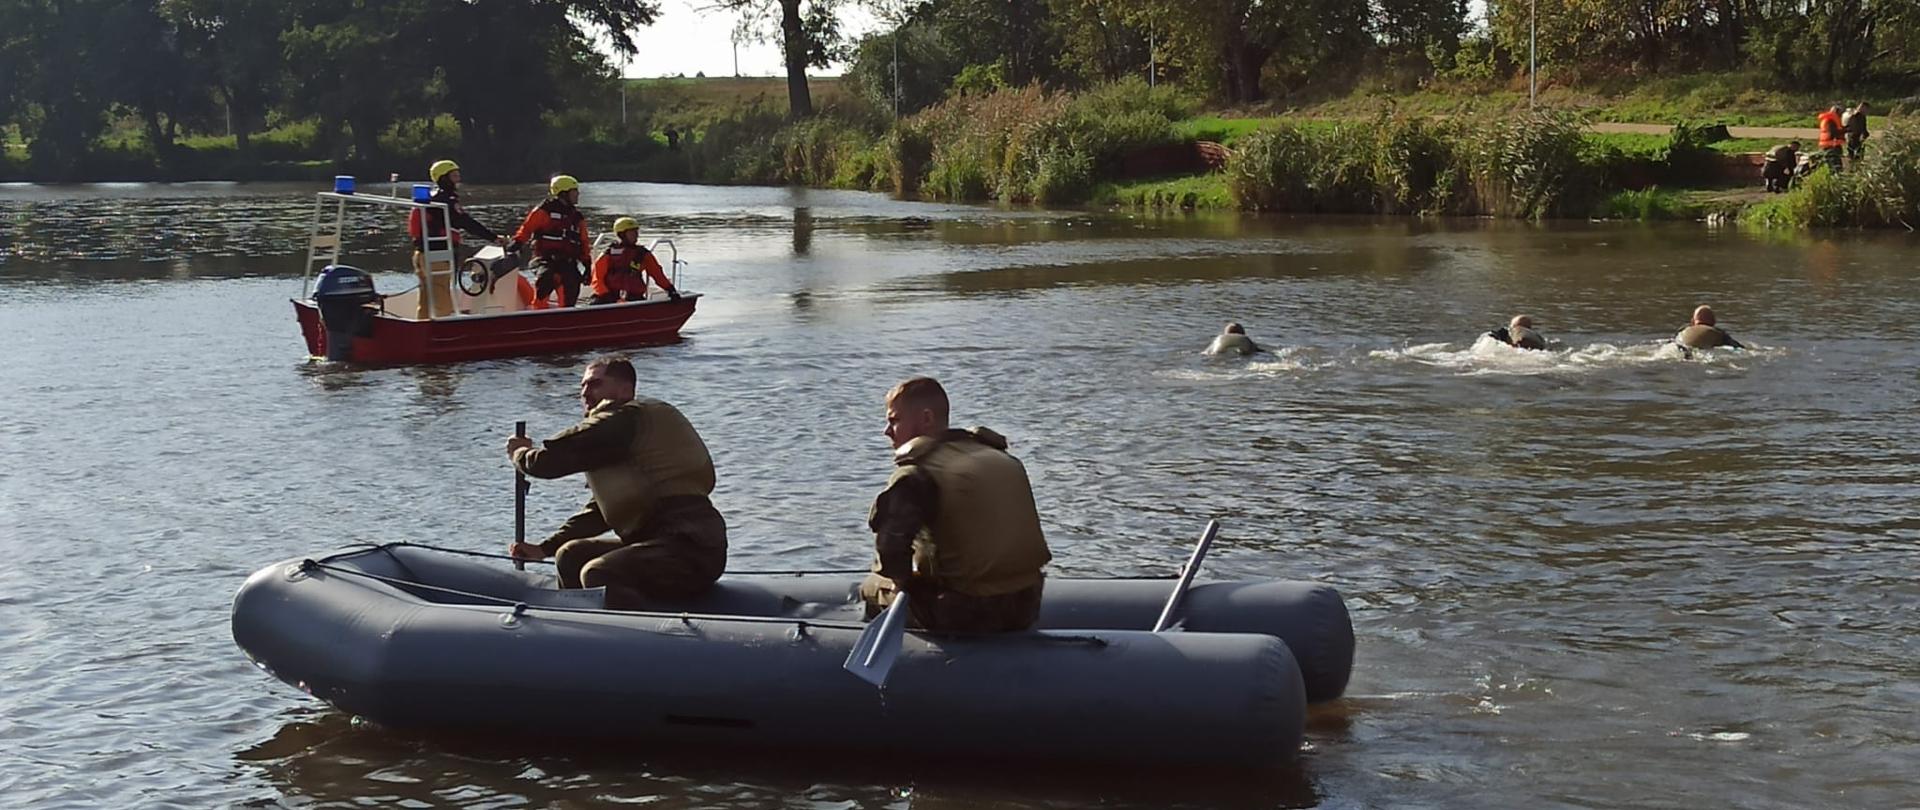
412, 658
392, 340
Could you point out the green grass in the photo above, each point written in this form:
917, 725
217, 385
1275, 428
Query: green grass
1651, 205
1223, 130
1741, 146
1631, 144
693, 103
1738, 99
1179, 191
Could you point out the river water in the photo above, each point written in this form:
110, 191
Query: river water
1604, 576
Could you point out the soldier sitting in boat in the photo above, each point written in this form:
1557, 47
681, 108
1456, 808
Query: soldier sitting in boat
650, 475
557, 229
621, 269
1703, 333
1232, 340
956, 527
426, 226
1519, 333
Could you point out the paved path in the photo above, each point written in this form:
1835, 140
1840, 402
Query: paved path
1781, 133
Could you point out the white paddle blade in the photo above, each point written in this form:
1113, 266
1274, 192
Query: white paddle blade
879, 645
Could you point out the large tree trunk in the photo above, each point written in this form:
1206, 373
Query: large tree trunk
366, 137
157, 136
794, 37
1242, 63
239, 119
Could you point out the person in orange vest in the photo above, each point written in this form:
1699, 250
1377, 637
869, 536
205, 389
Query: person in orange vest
621, 270
1833, 136
429, 230
558, 232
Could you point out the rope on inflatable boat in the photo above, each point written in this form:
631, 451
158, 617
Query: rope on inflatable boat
521, 608
491, 556
800, 626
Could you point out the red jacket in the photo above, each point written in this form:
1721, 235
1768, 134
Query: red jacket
618, 269
555, 228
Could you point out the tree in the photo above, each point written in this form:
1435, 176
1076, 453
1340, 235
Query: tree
68, 103
808, 38
239, 43
360, 63
1097, 43
151, 71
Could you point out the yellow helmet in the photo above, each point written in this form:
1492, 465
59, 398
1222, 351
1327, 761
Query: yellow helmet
560, 183
440, 169
624, 224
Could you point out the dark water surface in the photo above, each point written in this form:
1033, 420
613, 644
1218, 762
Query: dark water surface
1600, 577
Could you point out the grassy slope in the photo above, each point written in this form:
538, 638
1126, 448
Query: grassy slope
1723, 98
692, 103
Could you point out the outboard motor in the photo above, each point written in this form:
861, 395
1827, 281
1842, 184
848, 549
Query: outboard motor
342, 295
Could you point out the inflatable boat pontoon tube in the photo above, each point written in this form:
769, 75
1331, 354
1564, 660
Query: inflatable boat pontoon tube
414, 639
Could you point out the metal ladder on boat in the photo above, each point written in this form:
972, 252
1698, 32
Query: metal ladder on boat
328, 232
323, 246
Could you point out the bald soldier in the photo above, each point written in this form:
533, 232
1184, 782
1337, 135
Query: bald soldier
650, 476
1703, 333
1232, 340
956, 527
1519, 333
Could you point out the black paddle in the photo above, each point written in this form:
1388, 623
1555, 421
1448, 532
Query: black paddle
1168, 614
519, 500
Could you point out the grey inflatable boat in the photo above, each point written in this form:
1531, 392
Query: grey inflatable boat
412, 637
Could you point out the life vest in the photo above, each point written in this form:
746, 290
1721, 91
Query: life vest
1699, 336
667, 459
618, 266
986, 538
556, 228
1833, 134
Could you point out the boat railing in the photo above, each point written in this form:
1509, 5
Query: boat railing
673, 264
326, 241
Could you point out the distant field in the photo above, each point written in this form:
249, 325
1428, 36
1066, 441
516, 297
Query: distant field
1743, 99
694, 102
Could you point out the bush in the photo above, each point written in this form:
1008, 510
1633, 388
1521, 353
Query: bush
908, 152
1889, 175
1531, 167
1534, 166
1030, 145
1414, 165
1261, 175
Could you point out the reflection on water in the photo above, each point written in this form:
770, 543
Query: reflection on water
1598, 575
332, 759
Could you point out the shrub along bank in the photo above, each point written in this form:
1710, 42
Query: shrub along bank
1031, 146
1881, 189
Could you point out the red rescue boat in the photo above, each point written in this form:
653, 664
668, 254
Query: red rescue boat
342, 317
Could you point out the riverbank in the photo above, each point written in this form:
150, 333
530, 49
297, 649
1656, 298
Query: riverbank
1125, 144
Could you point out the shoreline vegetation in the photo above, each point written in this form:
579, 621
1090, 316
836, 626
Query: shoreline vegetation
1386, 107
1427, 154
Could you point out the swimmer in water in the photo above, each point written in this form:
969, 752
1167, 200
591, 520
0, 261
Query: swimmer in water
1519, 333
1702, 333
1232, 340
